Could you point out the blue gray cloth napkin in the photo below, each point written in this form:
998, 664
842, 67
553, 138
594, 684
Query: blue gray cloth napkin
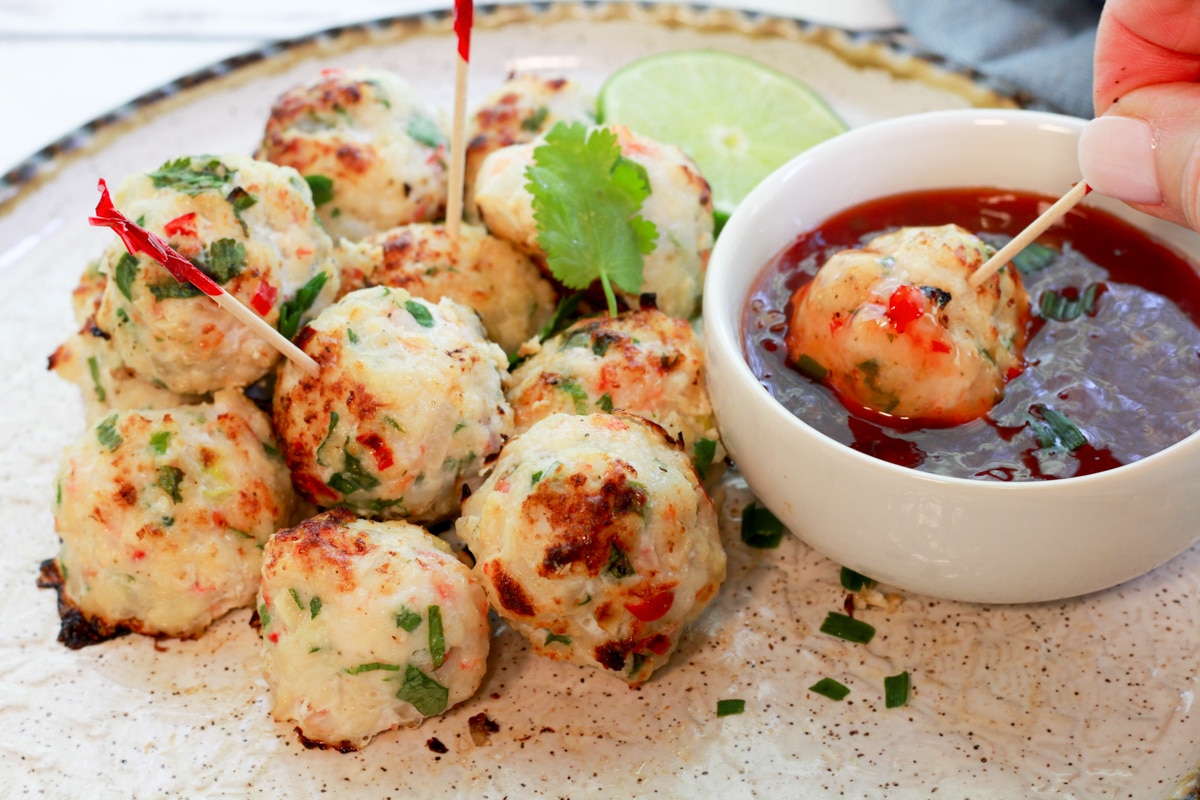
1042, 46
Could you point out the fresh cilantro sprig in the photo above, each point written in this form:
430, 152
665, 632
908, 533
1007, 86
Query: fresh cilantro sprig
586, 202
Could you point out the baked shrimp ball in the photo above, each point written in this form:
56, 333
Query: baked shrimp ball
525, 106
89, 359
372, 148
594, 538
896, 328
367, 626
503, 285
162, 515
679, 205
250, 226
408, 404
643, 362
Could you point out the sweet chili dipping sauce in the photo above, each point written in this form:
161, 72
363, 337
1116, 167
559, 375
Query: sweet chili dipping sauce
1114, 351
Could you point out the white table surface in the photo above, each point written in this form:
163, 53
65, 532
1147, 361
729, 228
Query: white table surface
64, 62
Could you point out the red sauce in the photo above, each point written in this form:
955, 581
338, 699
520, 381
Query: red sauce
1126, 372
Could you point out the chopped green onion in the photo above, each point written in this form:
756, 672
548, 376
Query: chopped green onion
296, 598
1053, 429
437, 639
704, 452
808, 366
1061, 307
895, 690
314, 606
576, 393
855, 582
828, 687
552, 637
159, 441
605, 403
847, 627
761, 528
726, 708
373, 666
108, 435
94, 368
1033, 258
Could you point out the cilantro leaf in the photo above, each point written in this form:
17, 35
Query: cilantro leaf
191, 176
321, 187
125, 273
291, 312
586, 199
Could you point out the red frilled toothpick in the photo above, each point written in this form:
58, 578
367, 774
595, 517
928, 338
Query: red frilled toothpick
464, 18
139, 240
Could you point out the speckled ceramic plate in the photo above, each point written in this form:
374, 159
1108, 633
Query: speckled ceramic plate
1088, 698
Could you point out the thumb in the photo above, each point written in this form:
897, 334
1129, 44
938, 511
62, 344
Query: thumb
1145, 150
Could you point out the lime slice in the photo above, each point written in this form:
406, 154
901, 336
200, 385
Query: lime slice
737, 118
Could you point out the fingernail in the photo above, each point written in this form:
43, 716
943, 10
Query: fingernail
1116, 157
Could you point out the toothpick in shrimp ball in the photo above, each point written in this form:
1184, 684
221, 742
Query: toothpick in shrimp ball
896, 329
372, 148
248, 225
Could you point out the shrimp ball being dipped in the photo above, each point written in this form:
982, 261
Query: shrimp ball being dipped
525, 106
679, 206
248, 225
162, 515
643, 362
595, 540
367, 626
895, 327
372, 148
408, 404
504, 286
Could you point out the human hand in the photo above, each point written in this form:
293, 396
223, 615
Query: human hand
1144, 145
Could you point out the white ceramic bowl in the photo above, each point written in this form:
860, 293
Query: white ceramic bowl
959, 539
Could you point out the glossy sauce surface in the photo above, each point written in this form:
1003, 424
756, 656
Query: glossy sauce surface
1127, 374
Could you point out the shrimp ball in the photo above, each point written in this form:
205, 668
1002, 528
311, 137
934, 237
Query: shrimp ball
89, 359
895, 327
162, 515
408, 405
504, 286
643, 362
525, 106
367, 626
595, 540
679, 206
248, 225
371, 146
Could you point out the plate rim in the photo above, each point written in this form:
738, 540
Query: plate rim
892, 51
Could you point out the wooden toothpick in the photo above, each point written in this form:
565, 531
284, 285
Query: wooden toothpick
1035, 229
464, 12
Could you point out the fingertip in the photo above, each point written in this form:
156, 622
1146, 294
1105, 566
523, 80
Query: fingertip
1117, 158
